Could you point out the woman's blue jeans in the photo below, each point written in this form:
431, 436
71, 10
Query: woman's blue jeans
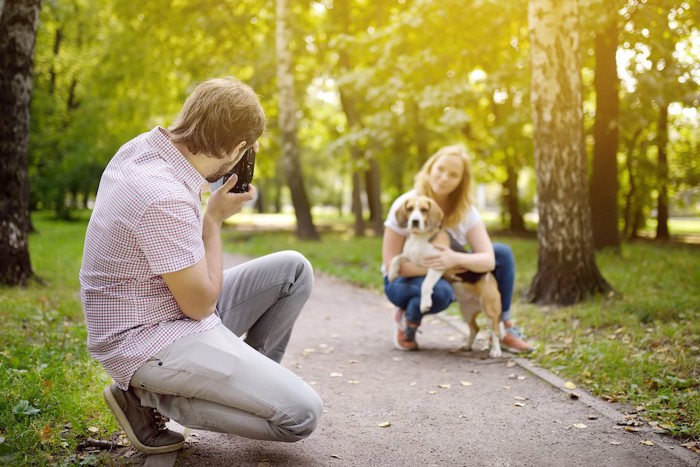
404, 292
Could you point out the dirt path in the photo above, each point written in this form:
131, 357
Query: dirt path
442, 407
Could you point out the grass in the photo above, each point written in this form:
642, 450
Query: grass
50, 385
641, 348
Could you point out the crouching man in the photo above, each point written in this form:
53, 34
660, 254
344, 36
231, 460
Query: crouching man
163, 317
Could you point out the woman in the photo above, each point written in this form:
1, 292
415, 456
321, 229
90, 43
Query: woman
446, 178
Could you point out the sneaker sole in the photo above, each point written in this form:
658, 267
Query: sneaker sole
124, 422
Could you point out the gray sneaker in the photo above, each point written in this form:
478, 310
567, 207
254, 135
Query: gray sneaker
144, 426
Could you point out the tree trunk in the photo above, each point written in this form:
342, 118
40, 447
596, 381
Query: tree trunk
512, 200
18, 23
662, 232
288, 127
373, 189
604, 183
566, 271
353, 120
631, 198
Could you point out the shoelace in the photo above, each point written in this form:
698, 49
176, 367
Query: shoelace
160, 420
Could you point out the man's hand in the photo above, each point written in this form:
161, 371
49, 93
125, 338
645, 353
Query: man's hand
222, 204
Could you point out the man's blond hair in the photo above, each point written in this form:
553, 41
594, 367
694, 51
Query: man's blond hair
218, 115
458, 201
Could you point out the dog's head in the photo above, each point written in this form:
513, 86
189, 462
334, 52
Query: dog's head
419, 214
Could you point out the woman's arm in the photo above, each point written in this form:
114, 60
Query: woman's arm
481, 259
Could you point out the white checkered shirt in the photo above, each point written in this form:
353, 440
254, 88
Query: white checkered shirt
147, 221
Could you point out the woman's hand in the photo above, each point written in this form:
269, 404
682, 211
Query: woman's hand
444, 259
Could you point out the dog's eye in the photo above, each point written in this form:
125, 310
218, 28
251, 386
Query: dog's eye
424, 209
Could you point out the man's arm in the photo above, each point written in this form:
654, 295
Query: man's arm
197, 288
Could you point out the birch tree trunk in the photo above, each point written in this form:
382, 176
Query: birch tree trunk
566, 270
288, 126
18, 23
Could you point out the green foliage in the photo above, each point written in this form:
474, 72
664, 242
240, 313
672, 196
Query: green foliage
50, 385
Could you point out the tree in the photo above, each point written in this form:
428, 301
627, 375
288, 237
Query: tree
288, 127
604, 183
18, 23
566, 271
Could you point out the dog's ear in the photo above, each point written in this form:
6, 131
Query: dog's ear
435, 215
402, 214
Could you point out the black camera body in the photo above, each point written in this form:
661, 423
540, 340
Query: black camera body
244, 170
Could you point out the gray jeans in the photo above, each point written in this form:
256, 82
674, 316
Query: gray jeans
217, 381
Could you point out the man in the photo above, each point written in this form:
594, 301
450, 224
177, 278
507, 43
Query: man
162, 315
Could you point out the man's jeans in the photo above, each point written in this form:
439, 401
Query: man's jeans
217, 381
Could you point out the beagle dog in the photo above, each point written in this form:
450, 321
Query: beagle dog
422, 216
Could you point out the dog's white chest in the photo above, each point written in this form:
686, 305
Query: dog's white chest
417, 247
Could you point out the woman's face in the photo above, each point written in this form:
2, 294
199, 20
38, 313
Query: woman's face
446, 174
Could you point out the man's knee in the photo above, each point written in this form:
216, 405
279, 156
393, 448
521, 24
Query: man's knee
305, 419
302, 271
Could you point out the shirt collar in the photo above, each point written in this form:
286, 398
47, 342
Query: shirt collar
160, 138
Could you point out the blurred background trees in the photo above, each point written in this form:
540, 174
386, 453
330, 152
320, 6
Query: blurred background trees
379, 86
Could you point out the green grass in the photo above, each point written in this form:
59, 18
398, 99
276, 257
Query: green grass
50, 385
640, 347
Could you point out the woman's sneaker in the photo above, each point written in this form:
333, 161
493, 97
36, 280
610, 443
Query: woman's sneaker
514, 342
405, 333
144, 426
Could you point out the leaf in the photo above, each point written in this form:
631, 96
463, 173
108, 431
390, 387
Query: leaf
45, 434
647, 442
519, 404
93, 429
580, 425
336, 375
24, 408
465, 383
569, 385
353, 381
384, 425
444, 386
615, 443
520, 398
432, 392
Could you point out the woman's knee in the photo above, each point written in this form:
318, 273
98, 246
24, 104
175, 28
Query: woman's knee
442, 296
504, 255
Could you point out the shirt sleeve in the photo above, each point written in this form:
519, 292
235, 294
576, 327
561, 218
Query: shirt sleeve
391, 221
170, 235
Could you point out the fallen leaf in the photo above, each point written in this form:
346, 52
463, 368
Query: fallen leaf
46, 434
521, 378
412, 383
519, 404
569, 385
306, 352
520, 398
335, 456
336, 375
510, 364
647, 442
93, 429
592, 417
353, 381
615, 443
432, 392
384, 425
580, 425
444, 386
465, 383
631, 429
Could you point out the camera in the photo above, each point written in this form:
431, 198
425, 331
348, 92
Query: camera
244, 170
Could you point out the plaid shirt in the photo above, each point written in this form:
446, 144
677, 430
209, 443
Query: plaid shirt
147, 221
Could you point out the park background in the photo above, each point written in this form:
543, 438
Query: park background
358, 94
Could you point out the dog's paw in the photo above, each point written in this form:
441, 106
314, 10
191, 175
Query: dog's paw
392, 276
495, 351
425, 304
